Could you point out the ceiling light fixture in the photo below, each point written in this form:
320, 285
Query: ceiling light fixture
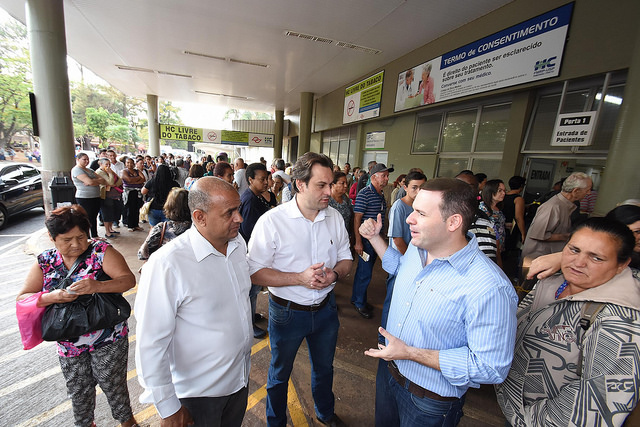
337, 43
169, 73
128, 68
244, 98
149, 70
221, 58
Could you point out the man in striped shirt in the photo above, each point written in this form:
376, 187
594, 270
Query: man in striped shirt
452, 319
369, 203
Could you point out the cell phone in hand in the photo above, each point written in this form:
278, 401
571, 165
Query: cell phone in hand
70, 291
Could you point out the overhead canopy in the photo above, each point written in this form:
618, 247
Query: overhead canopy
237, 54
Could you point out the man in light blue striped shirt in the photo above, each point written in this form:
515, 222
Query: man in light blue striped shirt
452, 320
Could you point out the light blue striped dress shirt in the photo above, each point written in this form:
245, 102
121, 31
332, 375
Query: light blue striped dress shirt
464, 306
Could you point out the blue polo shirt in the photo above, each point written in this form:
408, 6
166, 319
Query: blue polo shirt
370, 203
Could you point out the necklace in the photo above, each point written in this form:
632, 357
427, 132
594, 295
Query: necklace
561, 289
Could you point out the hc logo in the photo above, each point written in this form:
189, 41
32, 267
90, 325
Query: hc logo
545, 63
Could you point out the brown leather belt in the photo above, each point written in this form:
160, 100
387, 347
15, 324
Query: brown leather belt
414, 388
313, 307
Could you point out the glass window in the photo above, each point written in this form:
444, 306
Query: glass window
427, 134
343, 154
450, 167
607, 120
492, 132
29, 171
490, 167
12, 173
544, 120
457, 135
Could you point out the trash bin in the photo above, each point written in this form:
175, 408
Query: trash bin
62, 191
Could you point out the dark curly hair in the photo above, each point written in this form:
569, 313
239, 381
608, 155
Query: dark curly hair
64, 219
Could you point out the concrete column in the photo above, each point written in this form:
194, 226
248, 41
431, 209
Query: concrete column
48, 47
621, 174
154, 127
277, 142
306, 115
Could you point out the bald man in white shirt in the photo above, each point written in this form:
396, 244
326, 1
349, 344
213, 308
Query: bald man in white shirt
194, 331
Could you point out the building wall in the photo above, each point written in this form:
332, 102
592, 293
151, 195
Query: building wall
599, 40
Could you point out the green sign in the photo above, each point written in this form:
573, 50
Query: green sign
234, 137
180, 133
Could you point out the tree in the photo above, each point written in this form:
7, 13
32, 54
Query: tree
108, 127
15, 84
168, 114
235, 114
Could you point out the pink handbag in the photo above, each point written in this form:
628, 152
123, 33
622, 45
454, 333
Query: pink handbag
30, 320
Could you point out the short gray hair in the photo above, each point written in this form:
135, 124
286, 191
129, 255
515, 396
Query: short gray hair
576, 180
103, 160
200, 195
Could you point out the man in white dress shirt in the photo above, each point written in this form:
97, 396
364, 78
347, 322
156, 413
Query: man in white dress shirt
194, 331
299, 250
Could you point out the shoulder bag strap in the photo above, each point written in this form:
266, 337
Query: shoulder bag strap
588, 312
164, 228
75, 265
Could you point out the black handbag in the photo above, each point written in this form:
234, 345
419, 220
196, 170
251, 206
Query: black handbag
87, 313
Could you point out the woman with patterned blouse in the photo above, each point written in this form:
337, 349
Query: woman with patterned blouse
98, 357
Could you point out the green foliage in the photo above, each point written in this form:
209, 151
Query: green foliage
235, 114
168, 114
15, 83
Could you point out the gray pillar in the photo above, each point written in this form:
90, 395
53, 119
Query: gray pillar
306, 113
154, 128
48, 47
621, 174
277, 143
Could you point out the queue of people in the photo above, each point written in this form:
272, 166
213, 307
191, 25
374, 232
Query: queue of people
451, 320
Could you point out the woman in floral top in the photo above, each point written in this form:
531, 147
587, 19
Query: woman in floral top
98, 357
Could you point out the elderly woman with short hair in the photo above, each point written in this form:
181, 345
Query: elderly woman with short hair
97, 357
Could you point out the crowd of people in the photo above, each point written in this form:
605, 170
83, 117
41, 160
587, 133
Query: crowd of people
452, 249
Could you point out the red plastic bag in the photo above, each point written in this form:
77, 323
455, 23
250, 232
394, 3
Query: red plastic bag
30, 320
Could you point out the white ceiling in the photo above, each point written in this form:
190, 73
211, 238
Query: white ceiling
153, 34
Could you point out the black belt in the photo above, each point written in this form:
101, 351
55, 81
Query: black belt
414, 388
313, 307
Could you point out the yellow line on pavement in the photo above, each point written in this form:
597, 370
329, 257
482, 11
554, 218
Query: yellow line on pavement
259, 346
256, 397
298, 419
145, 414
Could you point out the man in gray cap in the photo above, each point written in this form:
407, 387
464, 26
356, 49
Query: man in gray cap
369, 203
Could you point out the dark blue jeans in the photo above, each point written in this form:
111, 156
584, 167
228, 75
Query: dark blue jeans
395, 406
156, 216
287, 329
391, 280
363, 275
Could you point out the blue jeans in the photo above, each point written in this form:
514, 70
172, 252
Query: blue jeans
287, 329
253, 298
391, 280
363, 275
395, 406
156, 216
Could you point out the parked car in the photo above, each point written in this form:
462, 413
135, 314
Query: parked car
20, 190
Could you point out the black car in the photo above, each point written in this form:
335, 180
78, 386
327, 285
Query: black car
20, 190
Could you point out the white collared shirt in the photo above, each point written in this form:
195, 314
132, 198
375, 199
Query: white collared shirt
118, 167
284, 240
193, 316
